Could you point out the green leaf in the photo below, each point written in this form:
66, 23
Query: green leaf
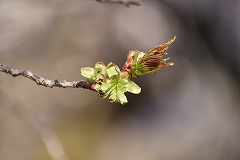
121, 97
112, 70
105, 87
118, 96
110, 82
123, 81
113, 97
133, 87
100, 65
87, 72
136, 52
100, 68
121, 88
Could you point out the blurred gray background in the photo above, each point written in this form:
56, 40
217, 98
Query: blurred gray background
190, 111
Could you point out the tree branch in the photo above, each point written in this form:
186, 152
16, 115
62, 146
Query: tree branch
42, 81
28, 115
127, 3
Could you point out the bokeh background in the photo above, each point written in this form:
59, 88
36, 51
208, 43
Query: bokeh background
185, 112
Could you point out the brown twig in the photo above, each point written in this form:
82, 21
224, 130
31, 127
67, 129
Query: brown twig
127, 3
42, 81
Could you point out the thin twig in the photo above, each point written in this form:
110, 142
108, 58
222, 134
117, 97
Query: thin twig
42, 81
127, 3
28, 115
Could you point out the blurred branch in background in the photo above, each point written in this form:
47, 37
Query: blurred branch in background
42, 81
124, 2
36, 121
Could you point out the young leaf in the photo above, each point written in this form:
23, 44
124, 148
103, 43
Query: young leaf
87, 72
140, 63
121, 97
112, 70
133, 87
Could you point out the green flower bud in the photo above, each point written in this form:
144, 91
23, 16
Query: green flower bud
109, 81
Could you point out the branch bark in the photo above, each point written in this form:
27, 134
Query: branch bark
127, 3
42, 81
